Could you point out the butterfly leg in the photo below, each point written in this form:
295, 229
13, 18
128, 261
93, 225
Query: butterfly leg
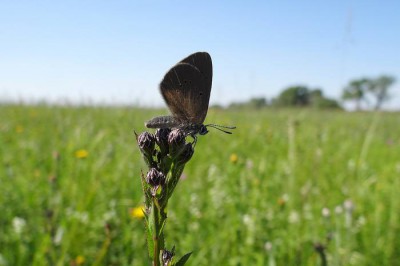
194, 140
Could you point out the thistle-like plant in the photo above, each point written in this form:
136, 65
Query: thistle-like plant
166, 152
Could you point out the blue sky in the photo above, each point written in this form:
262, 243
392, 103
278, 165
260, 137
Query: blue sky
118, 51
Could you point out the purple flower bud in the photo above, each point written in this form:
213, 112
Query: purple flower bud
146, 142
155, 178
176, 142
176, 137
162, 139
167, 256
186, 154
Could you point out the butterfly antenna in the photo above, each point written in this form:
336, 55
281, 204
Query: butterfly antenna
220, 128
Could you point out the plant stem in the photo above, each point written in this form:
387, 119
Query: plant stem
156, 212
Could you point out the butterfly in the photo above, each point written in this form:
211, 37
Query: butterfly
186, 90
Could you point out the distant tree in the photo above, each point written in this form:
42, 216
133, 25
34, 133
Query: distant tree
326, 103
303, 96
255, 103
293, 96
258, 102
316, 93
379, 88
318, 100
315, 96
356, 90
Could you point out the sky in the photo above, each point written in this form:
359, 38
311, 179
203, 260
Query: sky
116, 52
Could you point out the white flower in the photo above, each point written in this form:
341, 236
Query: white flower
59, 236
247, 220
294, 217
18, 225
338, 209
326, 212
268, 246
109, 215
348, 206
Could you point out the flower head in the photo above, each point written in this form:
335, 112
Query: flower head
79, 260
326, 212
155, 178
18, 224
81, 154
146, 142
137, 212
19, 129
176, 142
233, 158
167, 256
348, 205
162, 139
186, 154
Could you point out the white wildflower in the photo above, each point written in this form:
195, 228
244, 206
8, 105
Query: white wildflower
18, 225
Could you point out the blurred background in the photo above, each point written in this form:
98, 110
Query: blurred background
310, 176
116, 53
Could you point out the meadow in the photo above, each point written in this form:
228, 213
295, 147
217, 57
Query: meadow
287, 188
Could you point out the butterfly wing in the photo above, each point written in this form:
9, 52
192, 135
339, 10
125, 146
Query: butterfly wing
202, 61
186, 88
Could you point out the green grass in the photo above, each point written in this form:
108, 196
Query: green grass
263, 209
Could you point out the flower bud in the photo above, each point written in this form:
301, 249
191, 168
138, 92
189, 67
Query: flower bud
167, 256
162, 139
176, 142
146, 142
155, 178
186, 154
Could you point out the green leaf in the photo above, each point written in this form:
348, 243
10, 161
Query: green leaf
150, 232
150, 242
161, 241
183, 260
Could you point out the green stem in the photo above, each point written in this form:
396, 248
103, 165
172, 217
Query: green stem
158, 234
156, 255
176, 173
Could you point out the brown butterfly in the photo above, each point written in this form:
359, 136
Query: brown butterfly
186, 89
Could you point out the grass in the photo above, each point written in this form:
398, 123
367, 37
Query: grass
284, 182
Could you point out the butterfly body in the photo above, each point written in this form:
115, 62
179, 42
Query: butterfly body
170, 122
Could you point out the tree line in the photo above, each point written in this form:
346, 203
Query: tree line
358, 91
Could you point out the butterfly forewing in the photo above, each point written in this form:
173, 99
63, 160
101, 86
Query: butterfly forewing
186, 91
202, 61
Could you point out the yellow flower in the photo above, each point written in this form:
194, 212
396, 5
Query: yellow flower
36, 172
80, 154
234, 158
19, 129
137, 212
33, 113
80, 260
